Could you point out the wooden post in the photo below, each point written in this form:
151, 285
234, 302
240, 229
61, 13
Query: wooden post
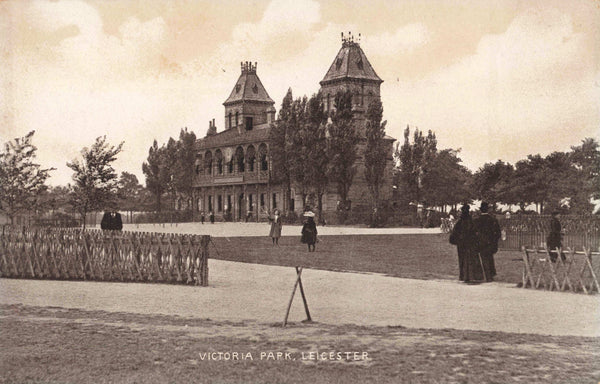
298, 283
308, 318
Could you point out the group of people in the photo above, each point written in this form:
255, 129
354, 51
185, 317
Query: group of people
211, 217
476, 241
111, 221
309, 229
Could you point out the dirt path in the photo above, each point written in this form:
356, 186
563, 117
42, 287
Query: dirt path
240, 291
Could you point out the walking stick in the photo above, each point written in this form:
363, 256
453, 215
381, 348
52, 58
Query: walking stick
482, 268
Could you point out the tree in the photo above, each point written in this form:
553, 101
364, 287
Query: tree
21, 179
586, 160
413, 162
375, 153
183, 171
343, 141
300, 148
130, 193
95, 180
157, 175
446, 181
281, 147
318, 157
492, 182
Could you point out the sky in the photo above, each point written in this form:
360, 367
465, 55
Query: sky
497, 79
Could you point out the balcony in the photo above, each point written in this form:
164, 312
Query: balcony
204, 180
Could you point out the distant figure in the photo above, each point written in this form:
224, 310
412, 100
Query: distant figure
309, 231
275, 232
554, 239
202, 217
488, 235
111, 221
465, 238
211, 217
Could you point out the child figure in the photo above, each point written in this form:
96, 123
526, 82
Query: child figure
309, 231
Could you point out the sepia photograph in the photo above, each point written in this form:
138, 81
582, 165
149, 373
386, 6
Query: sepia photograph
299, 191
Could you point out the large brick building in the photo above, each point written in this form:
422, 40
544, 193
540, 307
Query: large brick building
233, 167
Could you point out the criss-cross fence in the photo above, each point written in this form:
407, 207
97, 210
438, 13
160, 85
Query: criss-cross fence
561, 270
532, 230
73, 254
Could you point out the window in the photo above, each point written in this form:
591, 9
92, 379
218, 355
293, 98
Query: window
229, 120
248, 123
198, 169
230, 166
209, 167
236, 118
220, 166
219, 203
240, 161
228, 207
262, 200
264, 165
210, 204
274, 200
250, 202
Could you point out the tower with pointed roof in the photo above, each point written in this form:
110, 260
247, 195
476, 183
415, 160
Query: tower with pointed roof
351, 70
249, 104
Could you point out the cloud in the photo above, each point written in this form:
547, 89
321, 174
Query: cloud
520, 93
405, 40
516, 89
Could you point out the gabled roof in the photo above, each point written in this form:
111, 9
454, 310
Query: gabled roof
248, 87
233, 137
350, 63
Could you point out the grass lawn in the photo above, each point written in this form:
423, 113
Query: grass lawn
53, 345
423, 256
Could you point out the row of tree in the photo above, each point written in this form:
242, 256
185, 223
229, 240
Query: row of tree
567, 180
311, 149
96, 185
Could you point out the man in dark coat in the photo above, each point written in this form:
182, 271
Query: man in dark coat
464, 237
488, 235
554, 239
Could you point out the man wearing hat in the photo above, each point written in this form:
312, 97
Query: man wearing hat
554, 239
488, 235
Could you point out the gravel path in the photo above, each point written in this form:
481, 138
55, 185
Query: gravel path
240, 291
262, 229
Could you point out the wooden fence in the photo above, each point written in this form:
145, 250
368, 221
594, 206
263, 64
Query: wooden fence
572, 271
532, 230
73, 254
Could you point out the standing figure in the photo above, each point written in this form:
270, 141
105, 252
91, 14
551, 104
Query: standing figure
488, 235
111, 221
105, 223
465, 238
211, 217
554, 239
202, 217
275, 232
309, 231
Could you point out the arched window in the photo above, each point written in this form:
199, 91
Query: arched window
239, 158
229, 120
219, 158
262, 156
208, 163
250, 158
